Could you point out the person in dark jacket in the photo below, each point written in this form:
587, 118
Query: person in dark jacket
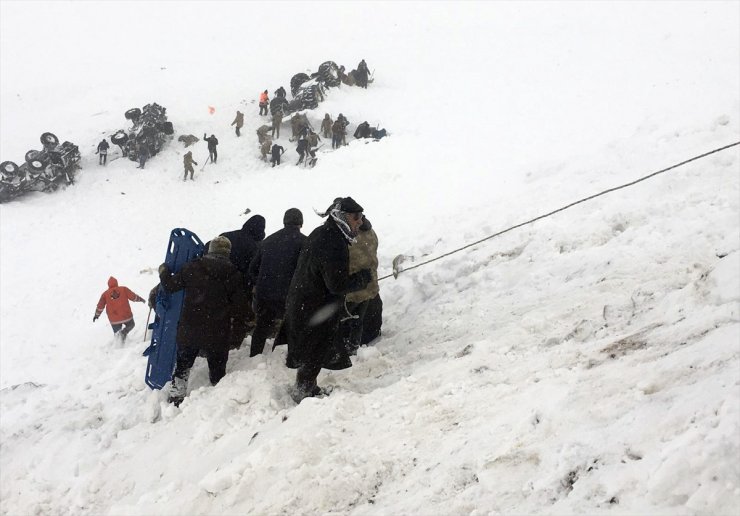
280, 92
103, 151
302, 149
362, 74
276, 152
212, 313
212, 144
271, 271
316, 296
143, 152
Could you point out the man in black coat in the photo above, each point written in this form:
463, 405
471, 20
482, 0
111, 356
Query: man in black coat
212, 144
271, 271
212, 313
316, 295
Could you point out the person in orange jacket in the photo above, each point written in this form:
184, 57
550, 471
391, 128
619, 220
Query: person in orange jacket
115, 301
264, 102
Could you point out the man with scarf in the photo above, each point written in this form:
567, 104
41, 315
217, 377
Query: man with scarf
315, 300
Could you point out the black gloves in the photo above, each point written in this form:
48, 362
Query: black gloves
95, 317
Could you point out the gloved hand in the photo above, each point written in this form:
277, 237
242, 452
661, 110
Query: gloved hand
163, 269
95, 317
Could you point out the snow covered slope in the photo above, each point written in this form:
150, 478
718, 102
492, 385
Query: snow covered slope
587, 363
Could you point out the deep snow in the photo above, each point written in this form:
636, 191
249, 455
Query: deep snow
587, 363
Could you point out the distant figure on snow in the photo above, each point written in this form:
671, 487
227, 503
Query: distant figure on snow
265, 149
264, 102
188, 162
115, 301
212, 144
143, 154
326, 124
103, 151
238, 122
277, 151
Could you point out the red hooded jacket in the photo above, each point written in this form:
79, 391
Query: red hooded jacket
115, 300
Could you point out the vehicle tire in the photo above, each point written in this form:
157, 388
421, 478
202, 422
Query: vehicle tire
120, 138
49, 140
132, 114
168, 129
296, 81
36, 161
8, 168
31, 155
329, 73
279, 104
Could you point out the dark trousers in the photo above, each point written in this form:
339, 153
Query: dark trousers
267, 312
124, 328
336, 141
216, 363
263, 109
103, 158
237, 131
275, 159
305, 378
142, 161
213, 154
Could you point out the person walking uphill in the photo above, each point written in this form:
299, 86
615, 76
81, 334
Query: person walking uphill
276, 152
271, 271
115, 300
264, 103
238, 122
212, 144
315, 299
212, 313
188, 163
103, 151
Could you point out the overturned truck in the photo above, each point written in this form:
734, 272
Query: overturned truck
43, 171
150, 128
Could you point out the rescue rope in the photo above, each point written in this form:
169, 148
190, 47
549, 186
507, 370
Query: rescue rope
565, 208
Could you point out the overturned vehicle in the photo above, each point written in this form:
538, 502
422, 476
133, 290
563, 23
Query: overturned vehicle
43, 171
150, 128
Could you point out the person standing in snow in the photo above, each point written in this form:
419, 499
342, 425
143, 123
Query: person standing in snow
264, 103
302, 149
265, 149
143, 152
239, 122
277, 119
188, 162
363, 254
362, 74
277, 151
336, 134
271, 270
244, 245
115, 300
212, 144
103, 151
212, 316
316, 296
326, 124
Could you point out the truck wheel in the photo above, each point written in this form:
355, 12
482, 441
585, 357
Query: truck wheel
132, 114
8, 168
120, 138
49, 140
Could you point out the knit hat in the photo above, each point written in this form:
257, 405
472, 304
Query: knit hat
349, 205
220, 245
293, 217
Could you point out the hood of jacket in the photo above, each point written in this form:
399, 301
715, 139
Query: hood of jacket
255, 228
112, 282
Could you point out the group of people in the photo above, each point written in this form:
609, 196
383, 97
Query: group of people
310, 292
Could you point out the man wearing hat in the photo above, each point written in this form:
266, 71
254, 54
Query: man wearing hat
271, 271
212, 312
316, 296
